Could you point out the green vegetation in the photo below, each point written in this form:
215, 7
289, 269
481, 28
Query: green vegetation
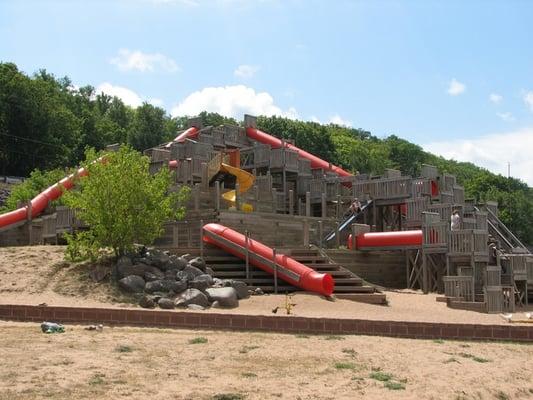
47, 123
198, 340
122, 208
246, 349
380, 376
334, 337
228, 396
345, 365
394, 385
123, 349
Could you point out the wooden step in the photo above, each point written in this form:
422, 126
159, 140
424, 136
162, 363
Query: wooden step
371, 298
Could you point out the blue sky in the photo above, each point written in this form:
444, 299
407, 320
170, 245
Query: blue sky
453, 76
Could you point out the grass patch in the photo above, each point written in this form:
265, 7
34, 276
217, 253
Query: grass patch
381, 376
394, 385
334, 337
350, 352
474, 358
198, 340
302, 336
502, 395
246, 349
249, 375
228, 396
439, 341
123, 349
97, 379
344, 365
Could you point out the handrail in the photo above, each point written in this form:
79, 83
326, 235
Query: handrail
507, 230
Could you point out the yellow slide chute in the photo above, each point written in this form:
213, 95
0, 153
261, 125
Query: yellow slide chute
245, 181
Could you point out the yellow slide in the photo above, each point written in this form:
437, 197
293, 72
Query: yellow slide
245, 181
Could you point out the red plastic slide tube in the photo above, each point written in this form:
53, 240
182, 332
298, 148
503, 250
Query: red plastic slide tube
386, 239
289, 269
40, 202
190, 133
276, 143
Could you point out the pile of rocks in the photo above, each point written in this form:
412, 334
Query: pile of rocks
168, 281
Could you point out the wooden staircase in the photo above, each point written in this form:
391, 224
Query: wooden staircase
347, 285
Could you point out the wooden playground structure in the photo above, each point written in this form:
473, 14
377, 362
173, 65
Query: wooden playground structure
274, 195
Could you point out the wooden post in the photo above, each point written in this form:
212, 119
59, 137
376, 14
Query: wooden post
374, 215
320, 234
407, 272
175, 235
275, 271
274, 205
196, 197
306, 232
217, 196
291, 202
353, 236
307, 204
338, 209
247, 258
238, 197
189, 235
337, 234
205, 177
256, 197
425, 277
324, 205
201, 238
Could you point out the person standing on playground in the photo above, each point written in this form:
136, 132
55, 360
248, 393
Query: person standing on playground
455, 221
355, 207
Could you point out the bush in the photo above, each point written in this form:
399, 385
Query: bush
122, 202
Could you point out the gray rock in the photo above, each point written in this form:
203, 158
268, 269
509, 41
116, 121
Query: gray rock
177, 263
195, 307
205, 277
170, 274
218, 282
147, 302
178, 286
258, 292
166, 303
209, 271
132, 284
136, 269
162, 285
191, 272
124, 261
240, 287
192, 296
158, 259
198, 262
199, 284
226, 296
150, 276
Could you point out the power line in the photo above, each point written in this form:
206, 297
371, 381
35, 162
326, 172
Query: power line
31, 140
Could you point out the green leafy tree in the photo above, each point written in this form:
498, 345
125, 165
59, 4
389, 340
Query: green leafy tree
122, 202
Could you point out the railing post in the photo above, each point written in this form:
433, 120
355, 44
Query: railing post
307, 204
274, 201
217, 196
324, 205
337, 234
205, 177
189, 235
306, 232
338, 210
275, 271
238, 197
320, 234
196, 197
201, 238
291, 202
247, 253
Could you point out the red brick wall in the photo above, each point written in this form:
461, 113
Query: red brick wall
282, 324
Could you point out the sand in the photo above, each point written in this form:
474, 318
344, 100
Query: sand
39, 274
140, 363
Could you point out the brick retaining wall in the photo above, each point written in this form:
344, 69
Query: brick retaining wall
281, 324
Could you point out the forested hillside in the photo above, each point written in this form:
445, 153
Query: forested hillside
46, 122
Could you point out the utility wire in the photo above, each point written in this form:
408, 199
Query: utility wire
31, 140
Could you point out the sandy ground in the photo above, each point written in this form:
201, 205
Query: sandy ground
140, 363
39, 274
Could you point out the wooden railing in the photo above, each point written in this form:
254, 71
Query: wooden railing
304, 167
468, 242
461, 287
429, 171
420, 187
415, 207
435, 234
387, 188
447, 183
287, 158
458, 194
446, 197
444, 210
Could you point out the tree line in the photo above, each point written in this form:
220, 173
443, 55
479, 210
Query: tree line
46, 122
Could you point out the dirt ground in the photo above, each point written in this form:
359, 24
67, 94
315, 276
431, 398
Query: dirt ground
39, 274
140, 363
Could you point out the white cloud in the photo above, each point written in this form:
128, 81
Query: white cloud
156, 102
506, 116
231, 101
528, 99
456, 87
314, 118
128, 96
128, 60
337, 120
486, 151
245, 71
495, 98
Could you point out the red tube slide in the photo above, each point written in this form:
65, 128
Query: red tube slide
386, 239
40, 202
190, 133
276, 143
261, 256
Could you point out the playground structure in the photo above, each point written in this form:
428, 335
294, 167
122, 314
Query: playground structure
271, 195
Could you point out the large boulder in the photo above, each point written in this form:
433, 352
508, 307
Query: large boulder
150, 276
199, 284
177, 263
178, 286
240, 287
189, 273
192, 296
198, 262
209, 271
165, 286
158, 259
132, 284
226, 297
147, 302
166, 303
136, 269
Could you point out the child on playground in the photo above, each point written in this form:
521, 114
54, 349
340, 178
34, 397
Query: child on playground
355, 207
455, 221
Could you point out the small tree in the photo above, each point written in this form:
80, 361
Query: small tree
122, 202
